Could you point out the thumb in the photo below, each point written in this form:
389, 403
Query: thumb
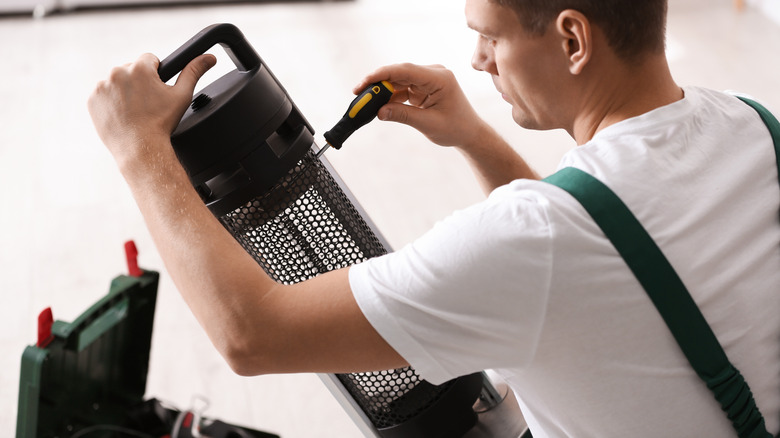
429, 122
423, 120
190, 75
397, 112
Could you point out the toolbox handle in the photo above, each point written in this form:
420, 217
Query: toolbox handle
225, 34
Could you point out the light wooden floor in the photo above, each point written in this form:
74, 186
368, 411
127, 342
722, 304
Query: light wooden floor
66, 211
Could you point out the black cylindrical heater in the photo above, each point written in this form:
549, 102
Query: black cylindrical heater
249, 153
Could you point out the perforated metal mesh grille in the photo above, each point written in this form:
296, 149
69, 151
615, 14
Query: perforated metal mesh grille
305, 226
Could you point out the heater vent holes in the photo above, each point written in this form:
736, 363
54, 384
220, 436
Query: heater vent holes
392, 397
303, 227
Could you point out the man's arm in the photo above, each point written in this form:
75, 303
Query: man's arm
438, 108
258, 325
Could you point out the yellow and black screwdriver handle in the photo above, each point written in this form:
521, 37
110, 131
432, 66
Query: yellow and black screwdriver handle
361, 111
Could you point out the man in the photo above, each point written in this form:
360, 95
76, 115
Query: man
523, 282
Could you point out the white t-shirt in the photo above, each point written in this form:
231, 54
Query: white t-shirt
526, 283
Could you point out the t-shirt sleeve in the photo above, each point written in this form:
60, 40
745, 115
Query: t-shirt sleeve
471, 293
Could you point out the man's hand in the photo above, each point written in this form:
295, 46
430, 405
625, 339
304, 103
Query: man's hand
437, 106
134, 111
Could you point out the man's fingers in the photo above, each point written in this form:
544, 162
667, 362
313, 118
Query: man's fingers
402, 75
146, 61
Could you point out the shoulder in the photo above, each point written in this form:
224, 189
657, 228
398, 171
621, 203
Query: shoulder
531, 218
529, 205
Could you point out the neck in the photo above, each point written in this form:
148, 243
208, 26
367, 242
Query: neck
629, 90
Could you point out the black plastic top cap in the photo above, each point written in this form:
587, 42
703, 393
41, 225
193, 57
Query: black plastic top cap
225, 34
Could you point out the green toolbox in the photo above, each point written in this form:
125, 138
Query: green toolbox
87, 378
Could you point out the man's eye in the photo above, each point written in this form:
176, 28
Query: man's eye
488, 40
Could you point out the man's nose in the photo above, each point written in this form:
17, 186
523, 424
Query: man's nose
479, 58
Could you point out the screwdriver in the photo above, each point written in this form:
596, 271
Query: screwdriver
361, 110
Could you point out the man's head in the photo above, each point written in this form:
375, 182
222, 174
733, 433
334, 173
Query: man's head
632, 28
570, 63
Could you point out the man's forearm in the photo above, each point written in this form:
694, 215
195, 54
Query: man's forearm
493, 160
218, 280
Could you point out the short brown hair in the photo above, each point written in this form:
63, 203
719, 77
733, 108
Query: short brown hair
632, 27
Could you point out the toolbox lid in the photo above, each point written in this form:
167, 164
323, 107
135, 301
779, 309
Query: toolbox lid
94, 369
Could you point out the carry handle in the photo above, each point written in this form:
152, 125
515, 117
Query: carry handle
224, 34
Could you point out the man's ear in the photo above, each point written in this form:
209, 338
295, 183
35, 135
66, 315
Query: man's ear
576, 35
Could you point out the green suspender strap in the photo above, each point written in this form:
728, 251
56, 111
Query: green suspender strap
668, 293
771, 122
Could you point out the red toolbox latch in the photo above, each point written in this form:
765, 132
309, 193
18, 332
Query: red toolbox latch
131, 252
45, 321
